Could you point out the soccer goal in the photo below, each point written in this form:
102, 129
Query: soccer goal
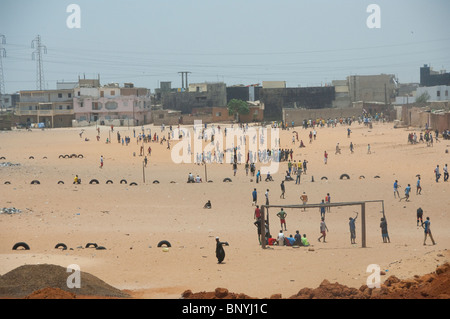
265, 208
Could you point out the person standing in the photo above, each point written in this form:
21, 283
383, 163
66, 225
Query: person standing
351, 147
220, 252
426, 226
437, 173
396, 186
328, 201
101, 161
445, 169
257, 214
282, 189
384, 231
304, 166
282, 215
325, 157
368, 149
304, 199
254, 196
323, 230
418, 187
419, 216
338, 149
267, 196
352, 226
322, 210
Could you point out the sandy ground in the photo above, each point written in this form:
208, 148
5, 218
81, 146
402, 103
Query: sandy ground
130, 221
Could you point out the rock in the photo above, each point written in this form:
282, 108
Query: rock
382, 273
221, 292
275, 296
443, 268
186, 294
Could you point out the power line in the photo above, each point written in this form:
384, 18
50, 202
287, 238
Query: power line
37, 55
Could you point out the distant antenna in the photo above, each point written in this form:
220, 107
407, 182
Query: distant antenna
2, 80
183, 75
37, 55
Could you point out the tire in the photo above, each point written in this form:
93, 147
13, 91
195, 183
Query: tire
35, 182
109, 182
100, 248
7, 183
21, 244
60, 182
73, 156
2, 158
91, 244
362, 176
164, 242
123, 181
66, 156
45, 157
64, 247
61, 156
377, 176
324, 178
210, 181
172, 182
133, 184
94, 181
155, 182
344, 176
31, 157
226, 180
80, 156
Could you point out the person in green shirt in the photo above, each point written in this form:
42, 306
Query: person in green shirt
305, 241
282, 215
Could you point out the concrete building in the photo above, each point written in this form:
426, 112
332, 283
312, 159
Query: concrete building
372, 88
197, 95
436, 93
111, 104
342, 94
53, 108
8, 102
428, 77
245, 93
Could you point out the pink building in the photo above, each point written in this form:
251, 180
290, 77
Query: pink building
111, 104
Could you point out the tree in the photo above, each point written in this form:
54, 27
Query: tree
238, 107
423, 98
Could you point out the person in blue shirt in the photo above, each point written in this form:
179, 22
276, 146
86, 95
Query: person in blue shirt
322, 210
396, 186
418, 187
427, 230
254, 196
407, 191
351, 223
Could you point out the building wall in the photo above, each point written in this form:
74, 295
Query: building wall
437, 93
431, 78
371, 88
440, 121
298, 115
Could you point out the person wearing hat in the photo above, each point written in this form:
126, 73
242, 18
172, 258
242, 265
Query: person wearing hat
220, 252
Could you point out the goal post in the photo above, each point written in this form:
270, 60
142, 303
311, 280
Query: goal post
264, 209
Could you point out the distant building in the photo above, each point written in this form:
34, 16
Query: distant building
372, 88
428, 77
125, 105
8, 102
435, 93
197, 95
244, 93
54, 108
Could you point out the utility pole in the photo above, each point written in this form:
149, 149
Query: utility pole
37, 55
2, 80
184, 75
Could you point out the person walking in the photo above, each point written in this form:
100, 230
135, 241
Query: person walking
304, 199
322, 210
437, 173
101, 161
419, 216
396, 186
254, 196
220, 252
427, 230
418, 187
323, 230
407, 191
325, 157
282, 189
445, 169
384, 231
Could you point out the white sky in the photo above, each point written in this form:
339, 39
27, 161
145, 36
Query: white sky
307, 43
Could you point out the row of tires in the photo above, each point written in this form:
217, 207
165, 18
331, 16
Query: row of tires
346, 176
60, 156
123, 181
25, 246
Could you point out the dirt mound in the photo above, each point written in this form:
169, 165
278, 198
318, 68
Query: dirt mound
51, 293
28, 280
431, 286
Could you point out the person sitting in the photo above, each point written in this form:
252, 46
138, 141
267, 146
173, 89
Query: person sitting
280, 238
305, 241
298, 239
271, 241
208, 205
191, 178
269, 177
301, 144
198, 179
76, 180
288, 176
290, 241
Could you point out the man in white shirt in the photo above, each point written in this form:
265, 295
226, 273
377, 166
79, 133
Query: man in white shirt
280, 238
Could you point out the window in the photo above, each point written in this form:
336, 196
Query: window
113, 92
111, 105
69, 95
79, 93
102, 93
255, 113
446, 92
96, 105
218, 114
438, 93
60, 107
161, 116
59, 95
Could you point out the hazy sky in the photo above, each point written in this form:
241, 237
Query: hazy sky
305, 43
